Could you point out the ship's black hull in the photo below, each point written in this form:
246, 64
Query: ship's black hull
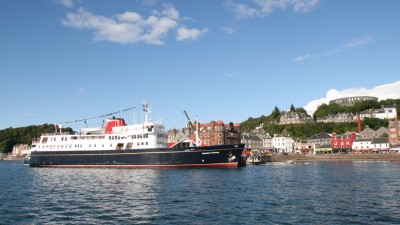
208, 156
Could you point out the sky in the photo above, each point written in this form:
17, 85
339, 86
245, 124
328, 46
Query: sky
69, 60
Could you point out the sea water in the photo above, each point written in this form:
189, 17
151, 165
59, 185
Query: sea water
276, 193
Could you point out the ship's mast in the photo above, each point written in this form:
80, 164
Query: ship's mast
146, 111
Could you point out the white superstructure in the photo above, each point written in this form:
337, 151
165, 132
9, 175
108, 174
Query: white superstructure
115, 135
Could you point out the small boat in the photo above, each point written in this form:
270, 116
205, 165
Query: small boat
290, 161
259, 159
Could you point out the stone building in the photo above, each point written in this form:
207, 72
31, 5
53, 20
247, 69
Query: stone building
294, 118
319, 139
350, 101
394, 132
337, 118
369, 133
213, 133
218, 133
252, 141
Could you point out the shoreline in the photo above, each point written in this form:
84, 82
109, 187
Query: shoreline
336, 157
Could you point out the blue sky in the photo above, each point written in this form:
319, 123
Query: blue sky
66, 60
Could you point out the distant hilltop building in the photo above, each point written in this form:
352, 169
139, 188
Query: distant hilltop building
350, 101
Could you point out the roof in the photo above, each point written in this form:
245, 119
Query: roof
321, 135
362, 140
251, 137
384, 140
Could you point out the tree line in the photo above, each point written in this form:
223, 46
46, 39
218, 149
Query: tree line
24, 135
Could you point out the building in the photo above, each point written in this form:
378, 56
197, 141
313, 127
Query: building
342, 143
303, 147
394, 132
323, 149
362, 146
21, 150
380, 145
252, 141
337, 118
294, 118
367, 133
381, 132
213, 133
386, 112
282, 143
319, 139
350, 101
265, 137
218, 133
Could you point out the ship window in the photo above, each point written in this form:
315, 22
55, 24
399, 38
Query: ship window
147, 143
44, 140
142, 143
146, 136
90, 145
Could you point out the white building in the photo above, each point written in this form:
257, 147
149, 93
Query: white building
361, 145
380, 145
386, 112
283, 143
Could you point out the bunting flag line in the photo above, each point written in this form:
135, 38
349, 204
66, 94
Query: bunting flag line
96, 117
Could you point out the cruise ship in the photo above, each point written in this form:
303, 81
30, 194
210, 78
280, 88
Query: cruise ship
119, 145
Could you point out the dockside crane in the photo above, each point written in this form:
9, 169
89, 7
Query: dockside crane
195, 129
190, 122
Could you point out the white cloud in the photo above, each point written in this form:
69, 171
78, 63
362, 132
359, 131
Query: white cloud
301, 58
382, 92
242, 10
131, 27
189, 34
65, 3
354, 43
266, 7
358, 42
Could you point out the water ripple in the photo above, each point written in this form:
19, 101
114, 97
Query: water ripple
317, 193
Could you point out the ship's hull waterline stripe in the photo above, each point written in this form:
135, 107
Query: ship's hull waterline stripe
235, 164
128, 153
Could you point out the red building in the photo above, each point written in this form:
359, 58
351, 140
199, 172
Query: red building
342, 143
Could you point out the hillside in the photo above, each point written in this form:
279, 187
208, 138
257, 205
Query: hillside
23, 135
302, 131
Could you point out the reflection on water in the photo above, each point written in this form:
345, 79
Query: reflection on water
277, 193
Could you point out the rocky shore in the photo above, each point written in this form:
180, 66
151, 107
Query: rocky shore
336, 157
